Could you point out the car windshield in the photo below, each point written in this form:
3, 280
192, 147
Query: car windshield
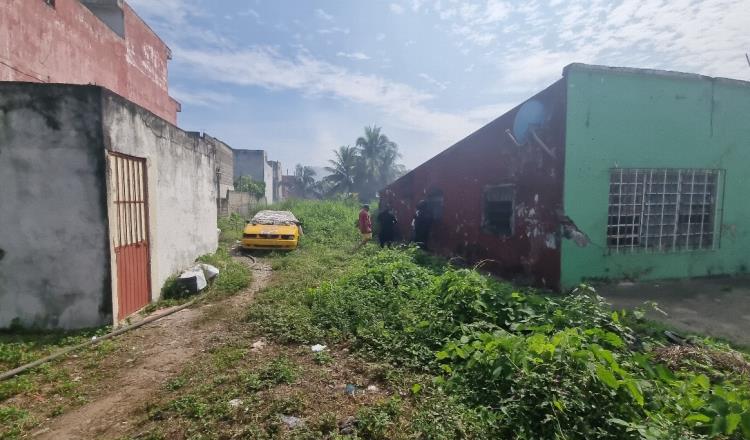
274, 218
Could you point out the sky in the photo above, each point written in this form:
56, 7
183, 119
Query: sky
299, 78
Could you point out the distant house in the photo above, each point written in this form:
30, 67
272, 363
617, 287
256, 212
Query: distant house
255, 164
609, 173
101, 42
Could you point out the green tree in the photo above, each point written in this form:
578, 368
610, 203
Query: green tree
343, 170
304, 185
377, 161
248, 185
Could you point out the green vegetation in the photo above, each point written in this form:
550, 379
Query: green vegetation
54, 386
233, 277
495, 361
231, 229
253, 187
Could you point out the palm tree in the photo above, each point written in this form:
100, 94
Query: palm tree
343, 170
378, 156
304, 181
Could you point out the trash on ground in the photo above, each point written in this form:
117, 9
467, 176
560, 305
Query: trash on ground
350, 389
235, 403
258, 345
372, 389
209, 271
292, 422
193, 279
317, 348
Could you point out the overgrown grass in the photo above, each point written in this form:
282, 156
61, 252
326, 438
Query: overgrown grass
231, 229
234, 276
507, 362
55, 387
55, 382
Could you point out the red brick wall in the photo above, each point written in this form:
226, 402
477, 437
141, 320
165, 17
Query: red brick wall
69, 44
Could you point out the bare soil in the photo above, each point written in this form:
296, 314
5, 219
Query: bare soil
153, 354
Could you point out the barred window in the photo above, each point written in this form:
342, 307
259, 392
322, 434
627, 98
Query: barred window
662, 209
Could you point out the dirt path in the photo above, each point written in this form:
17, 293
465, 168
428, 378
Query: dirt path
158, 352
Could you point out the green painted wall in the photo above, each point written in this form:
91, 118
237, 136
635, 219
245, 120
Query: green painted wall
641, 119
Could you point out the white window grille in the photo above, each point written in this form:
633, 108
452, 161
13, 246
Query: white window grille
662, 209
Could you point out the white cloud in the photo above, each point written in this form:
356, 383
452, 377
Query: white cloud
334, 30
469, 68
250, 12
400, 104
380, 37
439, 84
204, 98
323, 15
353, 55
396, 8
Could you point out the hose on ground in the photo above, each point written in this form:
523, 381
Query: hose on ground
64, 351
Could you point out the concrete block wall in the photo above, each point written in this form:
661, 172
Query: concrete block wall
181, 185
54, 242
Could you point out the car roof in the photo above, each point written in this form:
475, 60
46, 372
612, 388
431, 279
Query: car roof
267, 217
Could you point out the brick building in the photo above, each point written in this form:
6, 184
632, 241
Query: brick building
101, 42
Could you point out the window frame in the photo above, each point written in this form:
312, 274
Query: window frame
639, 206
487, 228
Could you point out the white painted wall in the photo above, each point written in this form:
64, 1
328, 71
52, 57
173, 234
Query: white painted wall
181, 186
54, 270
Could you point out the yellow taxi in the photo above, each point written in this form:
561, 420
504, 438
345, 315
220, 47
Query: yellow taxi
272, 230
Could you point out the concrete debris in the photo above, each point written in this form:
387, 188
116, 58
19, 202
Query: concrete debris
292, 422
258, 345
235, 403
193, 279
317, 348
209, 271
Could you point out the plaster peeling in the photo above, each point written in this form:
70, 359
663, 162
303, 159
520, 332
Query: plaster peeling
571, 232
550, 242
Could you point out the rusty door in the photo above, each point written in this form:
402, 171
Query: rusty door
129, 226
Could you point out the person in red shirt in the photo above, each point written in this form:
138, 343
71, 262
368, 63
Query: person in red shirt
365, 225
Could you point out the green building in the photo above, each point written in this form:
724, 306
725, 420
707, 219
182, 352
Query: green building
608, 174
656, 174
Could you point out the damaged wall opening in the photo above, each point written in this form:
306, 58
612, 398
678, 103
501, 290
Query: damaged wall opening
497, 212
662, 209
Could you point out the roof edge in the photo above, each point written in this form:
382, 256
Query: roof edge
652, 72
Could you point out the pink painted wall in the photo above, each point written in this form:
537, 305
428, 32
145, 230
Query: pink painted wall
69, 44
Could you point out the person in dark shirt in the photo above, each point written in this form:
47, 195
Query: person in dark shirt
422, 224
386, 226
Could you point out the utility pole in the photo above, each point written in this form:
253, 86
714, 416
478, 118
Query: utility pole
747, 57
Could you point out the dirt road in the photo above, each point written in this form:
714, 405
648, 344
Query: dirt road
158, 352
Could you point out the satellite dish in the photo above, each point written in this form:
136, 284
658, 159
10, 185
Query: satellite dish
530, 116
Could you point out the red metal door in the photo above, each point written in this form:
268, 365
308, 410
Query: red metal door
130, 232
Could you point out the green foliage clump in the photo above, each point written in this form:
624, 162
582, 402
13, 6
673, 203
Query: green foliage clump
506, 362
253, 187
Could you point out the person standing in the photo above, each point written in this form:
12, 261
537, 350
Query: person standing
422, 224
386, 226
365, 225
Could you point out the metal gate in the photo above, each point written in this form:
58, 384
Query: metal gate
129, 226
